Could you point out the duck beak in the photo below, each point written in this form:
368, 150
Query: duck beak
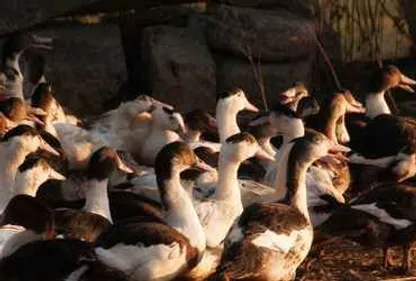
212, 123
287, 96
54, 175
406, 82
264, 155
355, 108
182, 128
251, 107
45, 146
123, 167
336, 148
204, 166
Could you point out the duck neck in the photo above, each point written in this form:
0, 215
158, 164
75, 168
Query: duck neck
227, 122
375, 104
297, 130
192, 136
18, 240
96, 197
330, 125
297, 195
228, 188
267, 146
280, 181
13, 156
13, 62
179, 212
27, 183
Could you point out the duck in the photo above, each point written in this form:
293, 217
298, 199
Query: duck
166, 125
24, 219
331, 118
292, 96
164, 249
229, 104
12, 50
262, 130
380, 217
368, 134
43, 99
32, 173
270, 240
126, 127
15, 145
197, 122
59, 259
95, 217
17, 112
218, 213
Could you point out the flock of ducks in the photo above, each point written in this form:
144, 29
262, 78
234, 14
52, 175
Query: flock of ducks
144, 192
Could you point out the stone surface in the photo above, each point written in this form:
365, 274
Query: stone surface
179, 67
275, 36
235, 73
86, 66
301, 7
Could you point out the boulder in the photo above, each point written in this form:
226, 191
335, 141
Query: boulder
235, 73
274, 36
179, 68
300, 7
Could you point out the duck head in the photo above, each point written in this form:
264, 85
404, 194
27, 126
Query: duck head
105, 161
293, 95
391, 77
242, 146
236, 100
286, 122
168, 119
197, 122
30, 213
28, 139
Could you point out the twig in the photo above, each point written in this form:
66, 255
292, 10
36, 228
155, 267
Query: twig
328, 62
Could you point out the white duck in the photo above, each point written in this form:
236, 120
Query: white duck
218, 213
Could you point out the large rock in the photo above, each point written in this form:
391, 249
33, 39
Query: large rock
85, 67
179, 67
234, 73
273, 36
301, 7
20, 14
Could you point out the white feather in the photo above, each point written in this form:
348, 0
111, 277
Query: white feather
157, 262
382, 215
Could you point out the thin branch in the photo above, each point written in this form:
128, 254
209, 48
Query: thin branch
328, 62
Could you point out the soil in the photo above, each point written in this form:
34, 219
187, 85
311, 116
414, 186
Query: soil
344, 260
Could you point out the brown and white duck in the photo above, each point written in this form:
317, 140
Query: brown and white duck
159, 249
381, 217
95, 217
30, 253
14, 147
270, 240
382, 134
24, 220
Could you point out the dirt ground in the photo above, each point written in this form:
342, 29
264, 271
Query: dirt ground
343, 260
87, 68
